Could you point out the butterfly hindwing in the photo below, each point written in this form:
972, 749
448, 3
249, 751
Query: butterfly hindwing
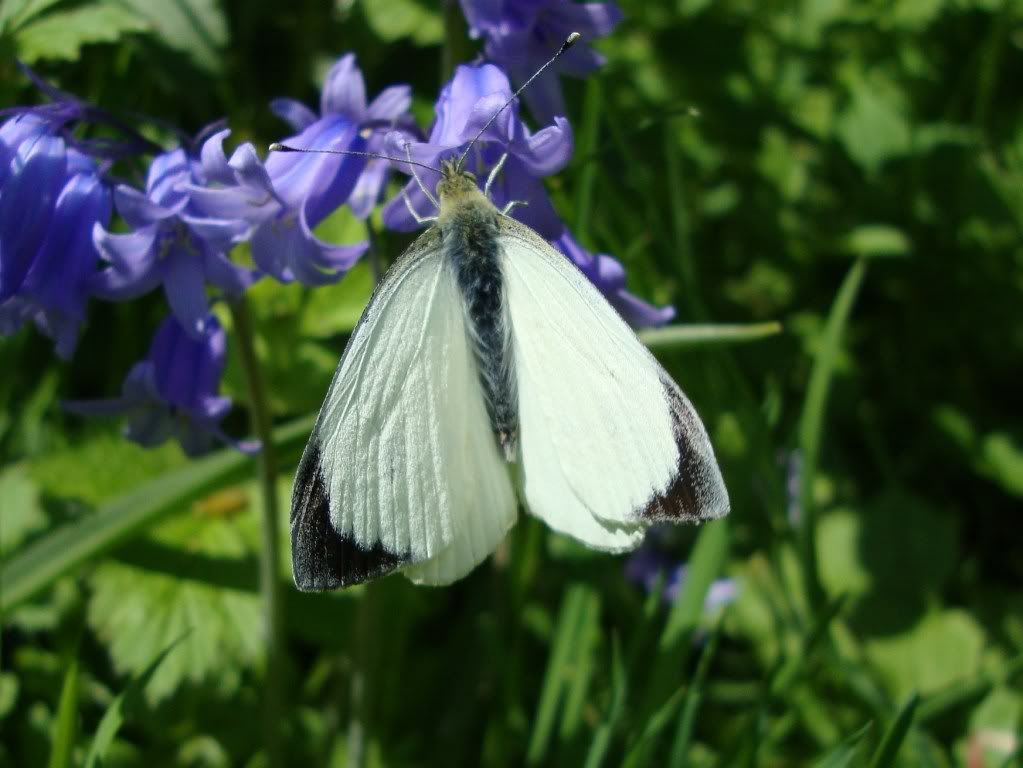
608, 442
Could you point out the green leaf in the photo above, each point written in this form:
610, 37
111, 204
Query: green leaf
619, 688
393, 20
69, 547
120, 709
896, 734
197, 28
942, 649
691, 704
705, 563
61, 34
16, 13
134, 610
679, 336
873, 127
65, 730
22, 513
874, 240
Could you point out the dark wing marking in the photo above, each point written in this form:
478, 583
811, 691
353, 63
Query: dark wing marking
321, 558
696, 492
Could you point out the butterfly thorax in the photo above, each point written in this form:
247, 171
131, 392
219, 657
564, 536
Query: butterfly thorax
469, 226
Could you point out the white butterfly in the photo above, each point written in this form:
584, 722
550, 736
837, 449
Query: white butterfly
484, 346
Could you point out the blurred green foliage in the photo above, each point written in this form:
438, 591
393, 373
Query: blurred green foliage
745, 159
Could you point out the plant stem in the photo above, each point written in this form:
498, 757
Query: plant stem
269, 568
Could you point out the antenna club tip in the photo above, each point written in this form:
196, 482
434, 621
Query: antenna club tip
277, 147
572, 39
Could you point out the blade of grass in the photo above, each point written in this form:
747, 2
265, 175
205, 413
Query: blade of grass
65, 730
847, 752
585, 145
582, 672
639, 754
619, 691
70, 546
121, 707
812, 421
555, 678
695, 335
705, 563
895, 735
691, 704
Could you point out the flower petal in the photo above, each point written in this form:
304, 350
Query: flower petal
37, 175
139, 211
294, 113
185, 290
344, 91
214, 160
390, 104
547, 151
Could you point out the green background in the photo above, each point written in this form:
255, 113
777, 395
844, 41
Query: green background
853, 170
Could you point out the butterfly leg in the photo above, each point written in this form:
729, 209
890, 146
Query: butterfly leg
415, 214
493, 175
419, 181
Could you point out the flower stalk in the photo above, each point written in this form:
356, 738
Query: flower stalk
269, 558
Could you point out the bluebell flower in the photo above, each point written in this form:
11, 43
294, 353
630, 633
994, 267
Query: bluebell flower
173, 393
277, 213
520, 35
608, 275
465, 105
171, 245
51, 197
343, 114
650, 565
283, 199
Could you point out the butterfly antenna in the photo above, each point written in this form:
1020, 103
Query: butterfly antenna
569, 42
278, 147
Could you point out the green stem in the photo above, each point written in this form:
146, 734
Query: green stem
269, 568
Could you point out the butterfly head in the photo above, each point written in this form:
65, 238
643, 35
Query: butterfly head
457, 186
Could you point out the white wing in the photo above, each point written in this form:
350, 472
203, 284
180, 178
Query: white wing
608, 442
402, 468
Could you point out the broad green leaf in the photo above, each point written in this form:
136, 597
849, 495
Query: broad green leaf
61, 34
135, 612
392, 20
22, 513
197, 28
72, 545
17, 13
942, 649
65, 729
873, 127
995, 723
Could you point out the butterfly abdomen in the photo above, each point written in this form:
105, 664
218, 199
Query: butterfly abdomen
470, 244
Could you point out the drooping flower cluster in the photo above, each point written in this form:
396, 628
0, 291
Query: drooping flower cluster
59, 248
51, 196
520, 35
173, 392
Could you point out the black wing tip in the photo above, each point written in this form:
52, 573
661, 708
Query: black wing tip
697, 492
321, 558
